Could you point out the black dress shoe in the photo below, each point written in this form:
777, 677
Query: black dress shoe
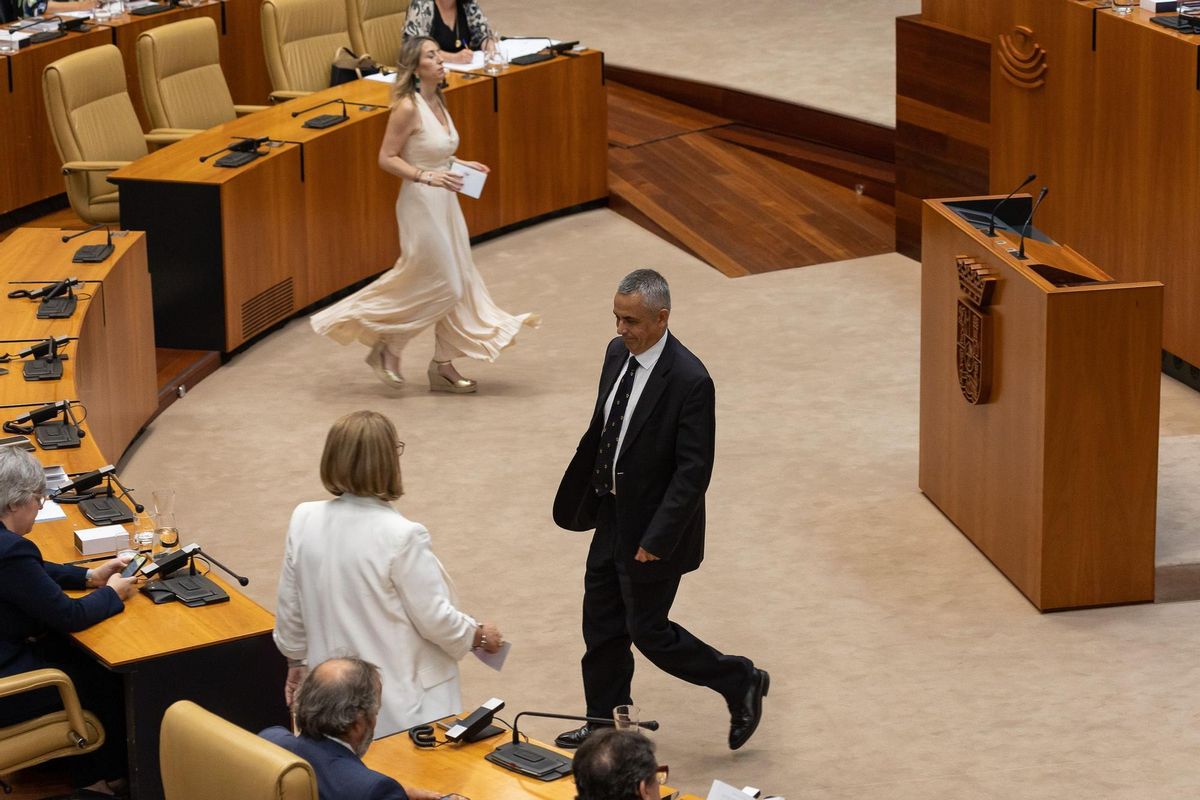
569, 740
745, 715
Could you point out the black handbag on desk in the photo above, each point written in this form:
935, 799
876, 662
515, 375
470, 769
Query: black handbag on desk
350, 67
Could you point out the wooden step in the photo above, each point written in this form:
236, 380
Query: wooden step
877, 178
636, 117
743, 212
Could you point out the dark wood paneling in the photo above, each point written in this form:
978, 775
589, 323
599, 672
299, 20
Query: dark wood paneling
636, 117
943, 99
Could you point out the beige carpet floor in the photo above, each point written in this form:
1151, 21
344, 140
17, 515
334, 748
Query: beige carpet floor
903, 664
838, 57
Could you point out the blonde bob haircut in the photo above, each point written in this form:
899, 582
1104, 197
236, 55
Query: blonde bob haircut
360, 457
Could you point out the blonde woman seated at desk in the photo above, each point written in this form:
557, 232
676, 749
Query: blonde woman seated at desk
360, 578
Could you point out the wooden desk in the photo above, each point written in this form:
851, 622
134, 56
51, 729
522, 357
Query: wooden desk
234, 251
463, 769
1109, 123
1053, 474
222, 653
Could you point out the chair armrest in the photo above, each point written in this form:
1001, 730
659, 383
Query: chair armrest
286, 94
244, 110
92, 166
168, 135
51, 678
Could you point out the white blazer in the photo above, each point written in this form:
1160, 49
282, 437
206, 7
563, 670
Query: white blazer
359, 579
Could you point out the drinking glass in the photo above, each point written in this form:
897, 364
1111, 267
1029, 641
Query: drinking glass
494, 61
7, 44
166, 531
1124, 6
626, 717
143, 537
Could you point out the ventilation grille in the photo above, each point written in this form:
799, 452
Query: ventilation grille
266, 308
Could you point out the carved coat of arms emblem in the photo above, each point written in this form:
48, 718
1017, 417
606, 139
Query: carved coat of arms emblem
973, 344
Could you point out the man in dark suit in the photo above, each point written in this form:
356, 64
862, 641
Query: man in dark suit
336, 708
638, 477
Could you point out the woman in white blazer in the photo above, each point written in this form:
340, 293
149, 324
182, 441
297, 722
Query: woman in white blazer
359, 579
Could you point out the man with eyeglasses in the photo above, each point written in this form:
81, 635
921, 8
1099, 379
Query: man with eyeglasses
616, 764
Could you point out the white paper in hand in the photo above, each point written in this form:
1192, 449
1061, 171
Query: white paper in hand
473, 179
494, 660
723, 791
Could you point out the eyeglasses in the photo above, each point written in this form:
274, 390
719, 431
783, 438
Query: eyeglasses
41, 501
399, 448
662, 773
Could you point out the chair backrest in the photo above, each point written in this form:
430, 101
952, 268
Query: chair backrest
91, 119
179, 67
377, 27
300, 39
202, 757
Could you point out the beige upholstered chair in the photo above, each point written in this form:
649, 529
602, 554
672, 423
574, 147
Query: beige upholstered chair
183, 86
95, 128
300, 39
377, 28
247, 767
69, 732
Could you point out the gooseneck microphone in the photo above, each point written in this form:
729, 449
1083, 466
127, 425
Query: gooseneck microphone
92, 253
539, 762
1030, 178
1025, 228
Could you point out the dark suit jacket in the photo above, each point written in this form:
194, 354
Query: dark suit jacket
663, 467
341, 775
32, 601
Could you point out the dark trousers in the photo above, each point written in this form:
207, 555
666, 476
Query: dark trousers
100, 692
619, 612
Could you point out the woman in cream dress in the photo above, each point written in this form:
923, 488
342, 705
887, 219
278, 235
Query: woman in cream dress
435, 281
360, 579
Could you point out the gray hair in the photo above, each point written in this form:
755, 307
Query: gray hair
21, 477
656, 295
335, 694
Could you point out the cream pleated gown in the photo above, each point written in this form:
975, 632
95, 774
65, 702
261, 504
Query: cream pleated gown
434, 282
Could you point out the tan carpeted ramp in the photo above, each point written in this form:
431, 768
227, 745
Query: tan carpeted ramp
903, 664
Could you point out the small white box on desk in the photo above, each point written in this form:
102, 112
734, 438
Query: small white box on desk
105, 539
1160, 6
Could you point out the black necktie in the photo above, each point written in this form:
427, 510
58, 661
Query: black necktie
602, 478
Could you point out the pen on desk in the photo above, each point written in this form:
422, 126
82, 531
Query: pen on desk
93, 560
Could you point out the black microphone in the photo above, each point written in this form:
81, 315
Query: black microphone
240, 579
45, 348
248, 144
87, 480
539, 762
42, 413
95, 227
92, 253
1025, 228
1030, 178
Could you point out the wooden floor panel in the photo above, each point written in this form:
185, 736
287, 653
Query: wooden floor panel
635, 117
744, 212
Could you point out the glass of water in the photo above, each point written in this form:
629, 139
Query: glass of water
494, 61
1124, 6
7, 44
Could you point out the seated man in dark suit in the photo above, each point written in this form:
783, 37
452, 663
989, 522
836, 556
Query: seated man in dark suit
617, 765
336, 708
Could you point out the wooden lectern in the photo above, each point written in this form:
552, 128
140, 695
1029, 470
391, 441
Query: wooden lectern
1039, 406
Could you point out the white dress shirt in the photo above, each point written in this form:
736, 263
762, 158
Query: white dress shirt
646, 362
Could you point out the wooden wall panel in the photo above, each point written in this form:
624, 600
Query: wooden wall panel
982, 19
242, 58
943, 121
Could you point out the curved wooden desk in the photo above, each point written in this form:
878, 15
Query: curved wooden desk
234, 251
221, 656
